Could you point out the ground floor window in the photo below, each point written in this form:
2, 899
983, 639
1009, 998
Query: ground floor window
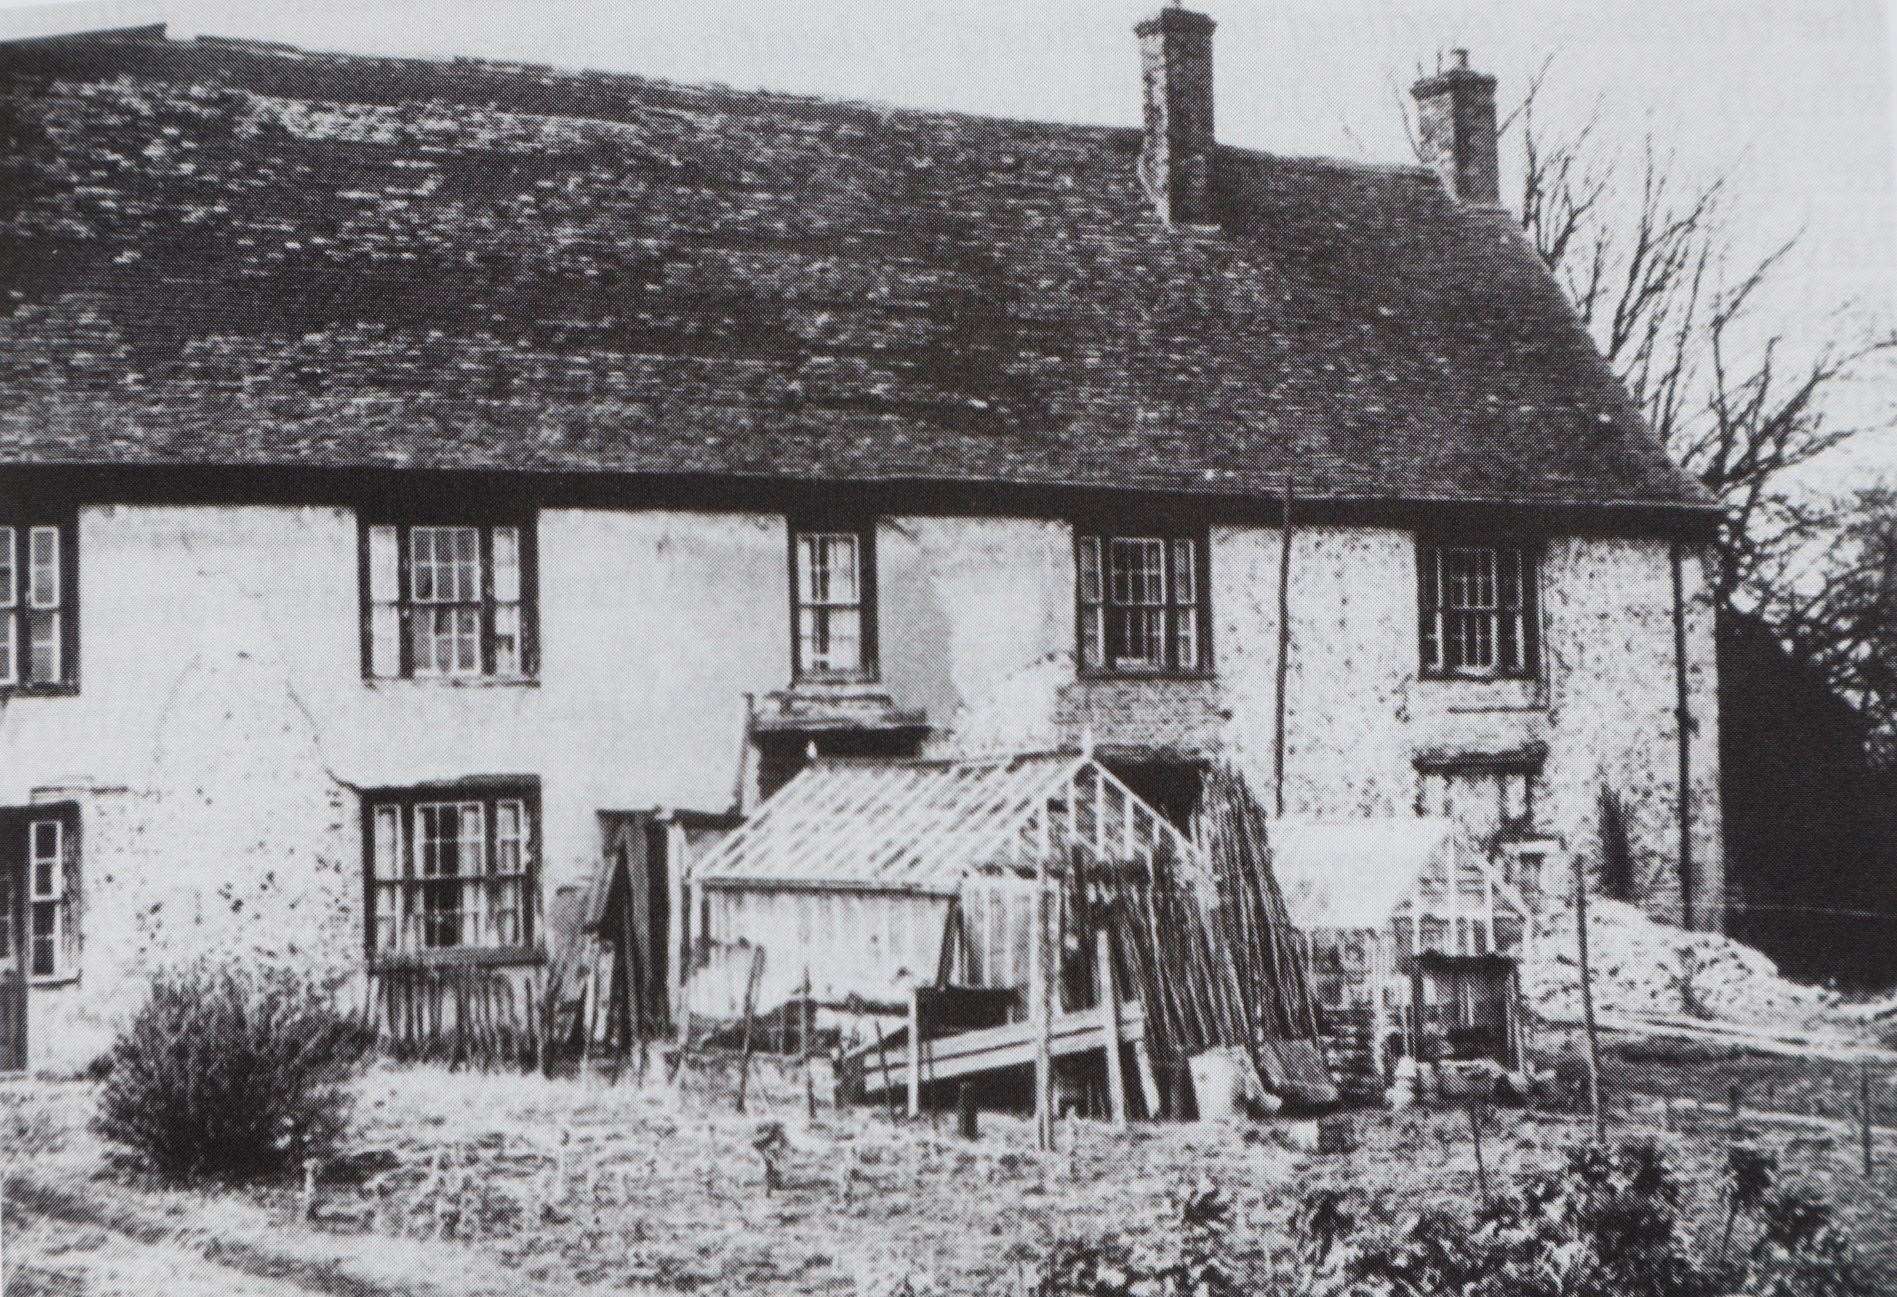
452, 871
39, 889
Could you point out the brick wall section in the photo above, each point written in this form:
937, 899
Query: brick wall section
1176, 159
1455, 119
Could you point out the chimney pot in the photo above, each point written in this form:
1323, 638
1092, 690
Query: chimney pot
1176, 158
1455, 118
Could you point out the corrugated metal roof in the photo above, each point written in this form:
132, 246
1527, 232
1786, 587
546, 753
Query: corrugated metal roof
1353, 873
918, 826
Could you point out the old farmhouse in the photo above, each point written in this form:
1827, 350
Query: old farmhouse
420, 479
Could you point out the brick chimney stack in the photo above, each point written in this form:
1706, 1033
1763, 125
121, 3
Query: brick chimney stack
1176, 159
1455, 118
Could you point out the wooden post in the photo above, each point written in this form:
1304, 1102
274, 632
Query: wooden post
1475, 1129
808, 1027
750, 1009
1587, 1002
1864, 1103
1040, 979
1732, 1100
967, 1123
1284, 644
1149, 1082
1110, 1024
915, 1051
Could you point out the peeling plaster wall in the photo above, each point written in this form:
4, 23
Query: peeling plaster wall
223, 727
968, 603
1358, 714
223, 724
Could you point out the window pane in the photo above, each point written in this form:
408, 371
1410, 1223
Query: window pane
1186, 638
9, 648
385, 621
509, 840
841, 557
1090, 570
7, 902
1139, 571
44, 592
812, 583
9, 585
837, 643
1510, 566
507, 564
1092, 636
467, 640
507, 639
1429, 607
42, 630
387, 836
384, 576
1184, 575
45, 923
1509, 641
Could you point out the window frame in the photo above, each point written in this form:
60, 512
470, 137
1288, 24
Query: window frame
490, 794
1432, 620
20, 599
868, 668
1170, 536
485, 522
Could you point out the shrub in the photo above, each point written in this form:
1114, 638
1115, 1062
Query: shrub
230, 1073
1608, 1223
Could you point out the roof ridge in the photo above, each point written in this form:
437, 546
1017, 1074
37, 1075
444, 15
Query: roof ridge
582, 73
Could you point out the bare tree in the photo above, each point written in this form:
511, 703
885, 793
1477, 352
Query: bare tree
1836, 610
1652, 268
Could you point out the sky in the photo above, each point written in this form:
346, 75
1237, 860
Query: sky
1794, 102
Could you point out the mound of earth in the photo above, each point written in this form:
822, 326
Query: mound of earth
1644, 966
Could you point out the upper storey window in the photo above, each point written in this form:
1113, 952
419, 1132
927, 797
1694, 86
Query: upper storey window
38, 629
833, 584
448, 599
1478, 609
1142, 605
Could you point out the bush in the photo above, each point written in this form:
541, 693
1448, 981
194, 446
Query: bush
229, 1073
1608, 1223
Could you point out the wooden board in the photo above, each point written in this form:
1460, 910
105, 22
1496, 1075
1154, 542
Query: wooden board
971, 1053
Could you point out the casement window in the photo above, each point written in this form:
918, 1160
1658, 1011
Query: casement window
833, 584
1477, 607
452, 873
46, 896
38, 635
448, 600
39, 887
1142, 605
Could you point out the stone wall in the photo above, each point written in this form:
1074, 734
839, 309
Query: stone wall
223, 730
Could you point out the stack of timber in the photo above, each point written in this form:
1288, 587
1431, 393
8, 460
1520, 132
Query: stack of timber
464, 1016
1351, 1048
1220, 964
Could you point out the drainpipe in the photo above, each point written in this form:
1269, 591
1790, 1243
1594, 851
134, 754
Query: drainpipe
1284, 639
1684, 717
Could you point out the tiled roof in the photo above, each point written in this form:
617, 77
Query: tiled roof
245, 255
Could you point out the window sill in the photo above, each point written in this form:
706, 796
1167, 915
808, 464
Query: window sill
835, 680
1478, 678
436, 959
38, 691
453, 682
1129, 673
53, 980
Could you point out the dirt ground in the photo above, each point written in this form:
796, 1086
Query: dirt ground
519, 1184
